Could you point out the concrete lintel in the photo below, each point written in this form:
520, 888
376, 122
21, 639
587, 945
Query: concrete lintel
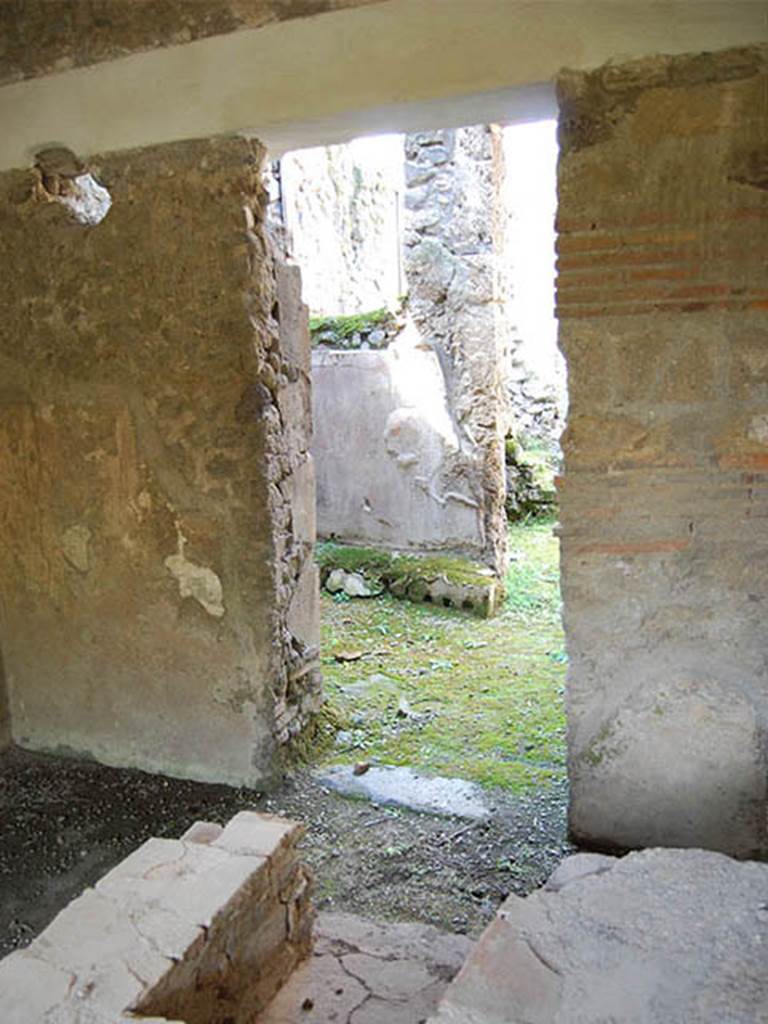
299, 82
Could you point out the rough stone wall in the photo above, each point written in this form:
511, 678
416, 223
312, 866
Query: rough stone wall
38, 37
342, 225
157, 591
5, 717
663, 306
454, 243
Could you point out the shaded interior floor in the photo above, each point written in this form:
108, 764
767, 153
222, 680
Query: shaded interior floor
66, 822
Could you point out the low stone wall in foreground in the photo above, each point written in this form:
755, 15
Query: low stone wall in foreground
199, 930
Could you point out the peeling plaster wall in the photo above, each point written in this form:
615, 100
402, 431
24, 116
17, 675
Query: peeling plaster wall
158, 598
454, 263
390, 470
663, 306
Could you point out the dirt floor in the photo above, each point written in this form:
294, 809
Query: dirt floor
65, 823
433, 689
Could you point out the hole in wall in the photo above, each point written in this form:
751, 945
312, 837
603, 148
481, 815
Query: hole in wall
65, 179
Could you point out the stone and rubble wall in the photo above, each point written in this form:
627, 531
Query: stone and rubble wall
158, 596
5, 716
201, 930
663, 307
341, 216
454, 245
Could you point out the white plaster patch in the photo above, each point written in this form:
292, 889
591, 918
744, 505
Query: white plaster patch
88, 201
74, 545
758, 428
197, 581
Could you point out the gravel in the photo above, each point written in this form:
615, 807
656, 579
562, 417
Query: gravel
66, 822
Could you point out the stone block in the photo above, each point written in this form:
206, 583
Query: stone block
31, 989
301, 488
262, 835
503, 980
303, 617
202, 832
198, 930
646, 941
295, 342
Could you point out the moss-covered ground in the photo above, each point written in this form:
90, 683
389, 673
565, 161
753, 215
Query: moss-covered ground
447, 693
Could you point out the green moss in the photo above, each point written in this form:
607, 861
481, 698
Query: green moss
350, 558
533, 578
315, 740
399, 572
345, 327
486, 696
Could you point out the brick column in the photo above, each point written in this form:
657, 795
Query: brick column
663, 307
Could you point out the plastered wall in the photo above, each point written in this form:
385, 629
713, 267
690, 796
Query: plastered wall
157, 591
390, 468
663, 306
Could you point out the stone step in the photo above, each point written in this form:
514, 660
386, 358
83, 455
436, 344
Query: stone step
656, 937
369, 972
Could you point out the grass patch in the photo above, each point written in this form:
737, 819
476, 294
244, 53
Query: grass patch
450, 694
533, 577
393, 568
344, 327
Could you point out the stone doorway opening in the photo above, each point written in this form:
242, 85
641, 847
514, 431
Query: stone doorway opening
428, 271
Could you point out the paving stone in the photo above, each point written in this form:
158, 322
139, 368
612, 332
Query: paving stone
389, 979
659, 937
341, 933
580, 865
369, 972
323, 982
381, 1011
403, 787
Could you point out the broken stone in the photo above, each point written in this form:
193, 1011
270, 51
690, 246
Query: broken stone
335, 582
403, 787
404, 709
349, 655
580, 865
355, 586
367, 972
